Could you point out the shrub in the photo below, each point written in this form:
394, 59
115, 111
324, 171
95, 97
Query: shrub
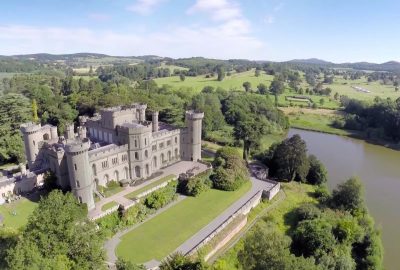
317, 174
161, 197
135, 214
230, 169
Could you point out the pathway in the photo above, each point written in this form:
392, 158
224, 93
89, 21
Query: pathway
175, 169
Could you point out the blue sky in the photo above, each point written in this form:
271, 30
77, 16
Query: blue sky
334, 30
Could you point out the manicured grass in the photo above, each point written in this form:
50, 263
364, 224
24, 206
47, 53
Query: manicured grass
135, 193
109, 191
296, 195
108, 205
160, 236
15, 214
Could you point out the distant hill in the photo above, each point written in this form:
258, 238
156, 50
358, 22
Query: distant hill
87, 59
314, 61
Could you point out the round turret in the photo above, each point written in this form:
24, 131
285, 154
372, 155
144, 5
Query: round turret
32, 137
79, 171
194, 125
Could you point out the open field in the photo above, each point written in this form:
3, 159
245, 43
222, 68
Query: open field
134, 194
158, 237
233, 82
282, 216
15, 215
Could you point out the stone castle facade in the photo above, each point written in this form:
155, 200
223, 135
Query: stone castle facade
116, 144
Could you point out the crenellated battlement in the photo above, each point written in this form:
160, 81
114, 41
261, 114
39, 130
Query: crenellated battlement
30, 127
165, 133
77, 146
194, 115
107, 150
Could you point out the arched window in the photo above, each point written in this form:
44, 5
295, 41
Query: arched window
169, 156
147, 170
116, 176
162, 158
176, 153
94, 169
137, 171
146, 154
106, 179
154, 162
176, 139
46, 136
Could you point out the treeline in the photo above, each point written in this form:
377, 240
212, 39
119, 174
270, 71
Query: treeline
379, 120
10, 65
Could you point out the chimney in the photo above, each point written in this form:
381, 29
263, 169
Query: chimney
155, 121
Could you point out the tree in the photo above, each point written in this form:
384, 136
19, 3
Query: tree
313, 238
267, 248
221, 73
257, 73
247, 86
15, 110
349, 196
262, 89
35, 116
58, 234
317, 173
230, 171
178, 261
91, 71
276, 88
290, 160
322, 101
182, 77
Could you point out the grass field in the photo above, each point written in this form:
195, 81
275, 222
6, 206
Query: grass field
108, 205
233, 82
135, 193
15, 214
282, 216
160, 236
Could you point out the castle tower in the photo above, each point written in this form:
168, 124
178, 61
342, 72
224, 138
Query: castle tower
193, 140
32, 136
69, 132
79, 173
155, 121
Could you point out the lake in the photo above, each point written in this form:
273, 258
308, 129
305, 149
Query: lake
378, 168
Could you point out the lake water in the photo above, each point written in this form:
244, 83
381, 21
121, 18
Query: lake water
378, 168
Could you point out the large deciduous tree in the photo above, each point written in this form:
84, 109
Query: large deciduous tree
58, 236
290, 160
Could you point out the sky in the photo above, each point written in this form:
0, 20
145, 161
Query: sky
277, 30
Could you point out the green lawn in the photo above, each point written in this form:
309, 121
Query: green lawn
233, 82
109, 191
108, 205
316, 122
134, 194
160, 236
16, 214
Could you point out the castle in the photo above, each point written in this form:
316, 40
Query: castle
116, 144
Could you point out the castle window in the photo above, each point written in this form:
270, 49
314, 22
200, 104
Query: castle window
77, 183
94, 169
176, 139
161, 145
168, 142
124, 158
154, 147
146, 154
136, 155
145, 141
135, 143
114, 161
34, 143
104, 164
75, 167
80, 199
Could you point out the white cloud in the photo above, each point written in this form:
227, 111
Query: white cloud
221, 41
99, 17
145, 7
